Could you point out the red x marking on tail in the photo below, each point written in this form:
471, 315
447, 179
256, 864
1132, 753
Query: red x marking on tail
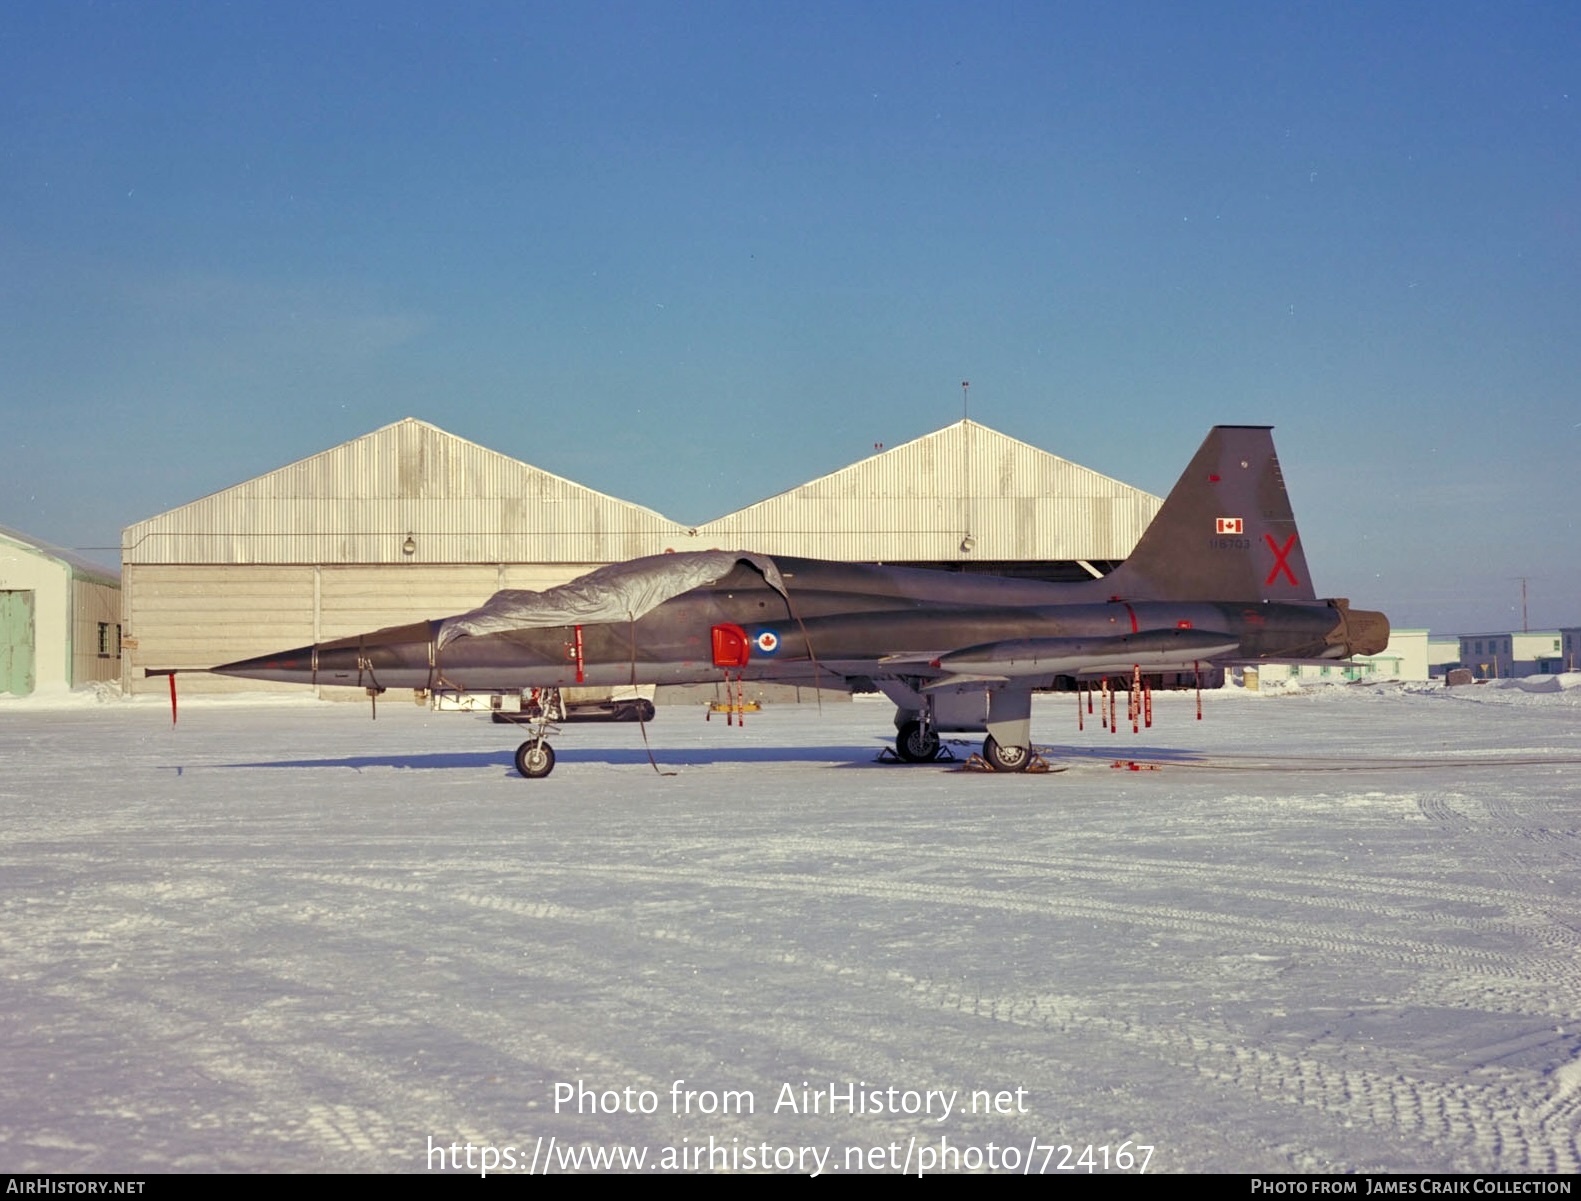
1281, 560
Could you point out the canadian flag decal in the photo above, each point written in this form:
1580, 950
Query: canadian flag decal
1228, 525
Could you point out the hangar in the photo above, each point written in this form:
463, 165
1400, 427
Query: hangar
409, 522
60, 617
965, 498
403, 523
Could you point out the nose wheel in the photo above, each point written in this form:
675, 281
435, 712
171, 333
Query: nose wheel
535, 758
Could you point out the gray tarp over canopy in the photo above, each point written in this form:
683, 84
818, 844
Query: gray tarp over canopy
620, 592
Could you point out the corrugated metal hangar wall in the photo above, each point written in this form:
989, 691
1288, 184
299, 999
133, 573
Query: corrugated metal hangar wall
410, 522
964, 496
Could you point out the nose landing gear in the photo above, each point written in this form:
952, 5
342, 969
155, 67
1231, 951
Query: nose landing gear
535, 758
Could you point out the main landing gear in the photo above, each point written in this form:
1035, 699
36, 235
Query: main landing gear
917, 743
922, 709
1006, 758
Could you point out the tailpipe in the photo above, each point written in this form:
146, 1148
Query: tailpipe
1359, 631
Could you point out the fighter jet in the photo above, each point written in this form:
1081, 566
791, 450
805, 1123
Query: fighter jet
1218, 577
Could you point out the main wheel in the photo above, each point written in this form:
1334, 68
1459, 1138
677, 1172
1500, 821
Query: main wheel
535, 758
1006, 758
916, 744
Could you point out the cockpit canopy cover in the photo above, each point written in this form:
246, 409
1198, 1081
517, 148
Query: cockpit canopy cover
619, 592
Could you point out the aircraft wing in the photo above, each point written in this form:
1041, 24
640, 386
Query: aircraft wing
1032, 658
956, 680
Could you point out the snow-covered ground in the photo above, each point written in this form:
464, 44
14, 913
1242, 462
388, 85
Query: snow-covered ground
1336, 930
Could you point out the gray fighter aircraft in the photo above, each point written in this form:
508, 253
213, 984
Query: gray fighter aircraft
1218, 577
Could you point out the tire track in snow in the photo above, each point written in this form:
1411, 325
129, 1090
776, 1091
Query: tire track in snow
1501, 1124
1287, 886
1455, 975
1190, 922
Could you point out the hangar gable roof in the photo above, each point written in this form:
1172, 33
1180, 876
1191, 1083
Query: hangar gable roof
409, 492
962, 493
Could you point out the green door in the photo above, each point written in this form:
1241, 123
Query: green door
16, 642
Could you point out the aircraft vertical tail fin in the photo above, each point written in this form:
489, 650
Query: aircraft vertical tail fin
1225, 532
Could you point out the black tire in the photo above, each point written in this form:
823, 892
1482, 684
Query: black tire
535, 759
1006, 758
915, 744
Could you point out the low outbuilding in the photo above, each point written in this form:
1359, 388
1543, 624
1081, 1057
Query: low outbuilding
60, 617
1513, 655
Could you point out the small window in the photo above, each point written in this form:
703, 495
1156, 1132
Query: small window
104, 640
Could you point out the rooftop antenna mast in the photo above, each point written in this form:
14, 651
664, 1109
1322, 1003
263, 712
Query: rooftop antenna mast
968, 542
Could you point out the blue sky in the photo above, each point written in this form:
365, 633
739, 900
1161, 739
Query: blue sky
695, 254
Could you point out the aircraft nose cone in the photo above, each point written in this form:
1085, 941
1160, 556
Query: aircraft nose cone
1369, 632
293, 666
395, 657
